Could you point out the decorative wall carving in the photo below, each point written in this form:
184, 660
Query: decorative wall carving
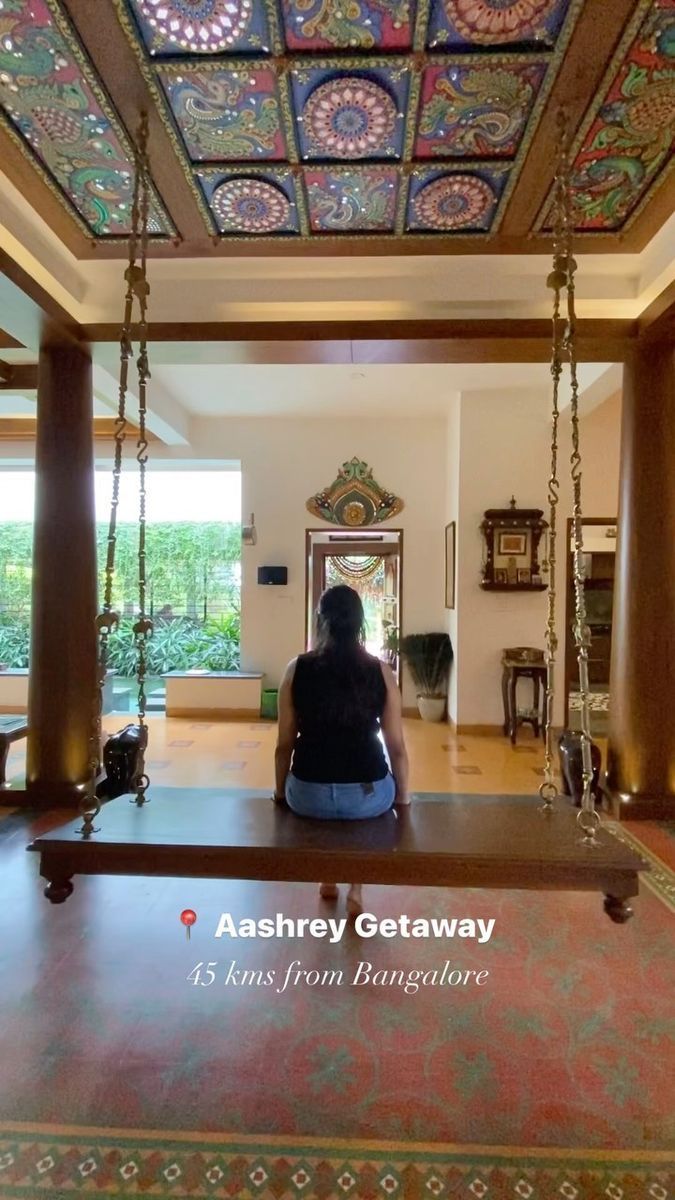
354, 498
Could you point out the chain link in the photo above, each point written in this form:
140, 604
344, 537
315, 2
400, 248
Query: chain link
562, 280
107, 620
143, 626
556, 281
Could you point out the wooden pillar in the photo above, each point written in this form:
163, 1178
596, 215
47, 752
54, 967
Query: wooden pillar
63, 647
641, 752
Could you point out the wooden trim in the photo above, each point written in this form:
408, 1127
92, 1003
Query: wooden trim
18, 710
17, 429
416, 329
216, 714
367, 342
20, 377
658, 319
7, 342
372, 246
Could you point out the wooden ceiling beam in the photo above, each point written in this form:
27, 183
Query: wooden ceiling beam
7, 342
657, 322
117, 66
22, 429
21, 377
594, 40
462, 341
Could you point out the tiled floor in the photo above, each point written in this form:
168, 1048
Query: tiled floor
192, 753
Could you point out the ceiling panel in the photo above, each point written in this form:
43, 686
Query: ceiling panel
628, 135
489, 24
182, 27
226, 112
309, 120
53, 104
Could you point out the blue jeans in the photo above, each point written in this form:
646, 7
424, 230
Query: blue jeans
340, 801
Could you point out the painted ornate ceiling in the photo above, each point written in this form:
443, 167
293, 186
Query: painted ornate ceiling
307, 118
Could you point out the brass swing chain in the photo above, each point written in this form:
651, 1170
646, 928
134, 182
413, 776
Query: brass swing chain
143, 626
564, 346
556, 281
108, 619
588, 818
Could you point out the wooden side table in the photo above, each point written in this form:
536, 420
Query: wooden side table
11, 729
523, 663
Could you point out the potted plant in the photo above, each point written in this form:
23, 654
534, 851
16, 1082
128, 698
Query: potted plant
428, 656
390, 646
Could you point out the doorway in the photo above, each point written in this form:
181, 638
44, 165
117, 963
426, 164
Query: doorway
599, 553
372, 564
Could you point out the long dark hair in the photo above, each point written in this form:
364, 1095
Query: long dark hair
354, 696
340, 621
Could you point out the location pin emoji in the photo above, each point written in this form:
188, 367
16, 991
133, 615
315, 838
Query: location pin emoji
188, 918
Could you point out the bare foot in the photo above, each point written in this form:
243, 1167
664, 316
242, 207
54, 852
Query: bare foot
329, 891
354, 901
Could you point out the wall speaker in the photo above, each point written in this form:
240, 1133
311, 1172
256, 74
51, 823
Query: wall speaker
275, 575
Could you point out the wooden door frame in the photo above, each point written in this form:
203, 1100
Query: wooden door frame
569, 561
343, 530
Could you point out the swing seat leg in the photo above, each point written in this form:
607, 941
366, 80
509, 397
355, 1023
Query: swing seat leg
618, 909
58, 890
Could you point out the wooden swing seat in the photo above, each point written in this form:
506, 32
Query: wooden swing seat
453, 841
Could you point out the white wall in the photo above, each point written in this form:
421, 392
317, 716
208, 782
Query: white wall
600, 436
491, 445
504, 450
286, 461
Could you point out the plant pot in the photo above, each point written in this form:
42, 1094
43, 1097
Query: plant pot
431, 708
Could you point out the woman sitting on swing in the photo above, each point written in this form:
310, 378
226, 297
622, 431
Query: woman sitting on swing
333, 703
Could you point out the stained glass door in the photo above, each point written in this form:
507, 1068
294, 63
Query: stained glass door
373, 570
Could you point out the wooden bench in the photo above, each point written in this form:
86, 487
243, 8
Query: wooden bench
12, 728
454, 841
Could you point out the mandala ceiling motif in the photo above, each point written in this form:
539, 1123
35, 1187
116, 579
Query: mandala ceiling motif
250, 206
454, 202
354, 498
349, 118
307, 119
496, 22
197, 26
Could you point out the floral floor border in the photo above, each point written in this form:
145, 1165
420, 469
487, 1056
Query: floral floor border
660, 878
63, 1161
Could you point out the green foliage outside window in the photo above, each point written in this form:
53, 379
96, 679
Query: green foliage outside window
193, 590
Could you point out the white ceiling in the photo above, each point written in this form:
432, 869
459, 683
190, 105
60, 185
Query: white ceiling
401, 390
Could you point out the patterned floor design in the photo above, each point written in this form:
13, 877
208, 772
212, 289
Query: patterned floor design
58, 1163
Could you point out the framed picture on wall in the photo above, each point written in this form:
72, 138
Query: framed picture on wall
512, 543
450, 541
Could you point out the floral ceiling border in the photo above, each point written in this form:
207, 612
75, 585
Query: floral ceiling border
45, 112
630, 90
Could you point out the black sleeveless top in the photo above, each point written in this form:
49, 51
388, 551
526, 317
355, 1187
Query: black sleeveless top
338, 701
